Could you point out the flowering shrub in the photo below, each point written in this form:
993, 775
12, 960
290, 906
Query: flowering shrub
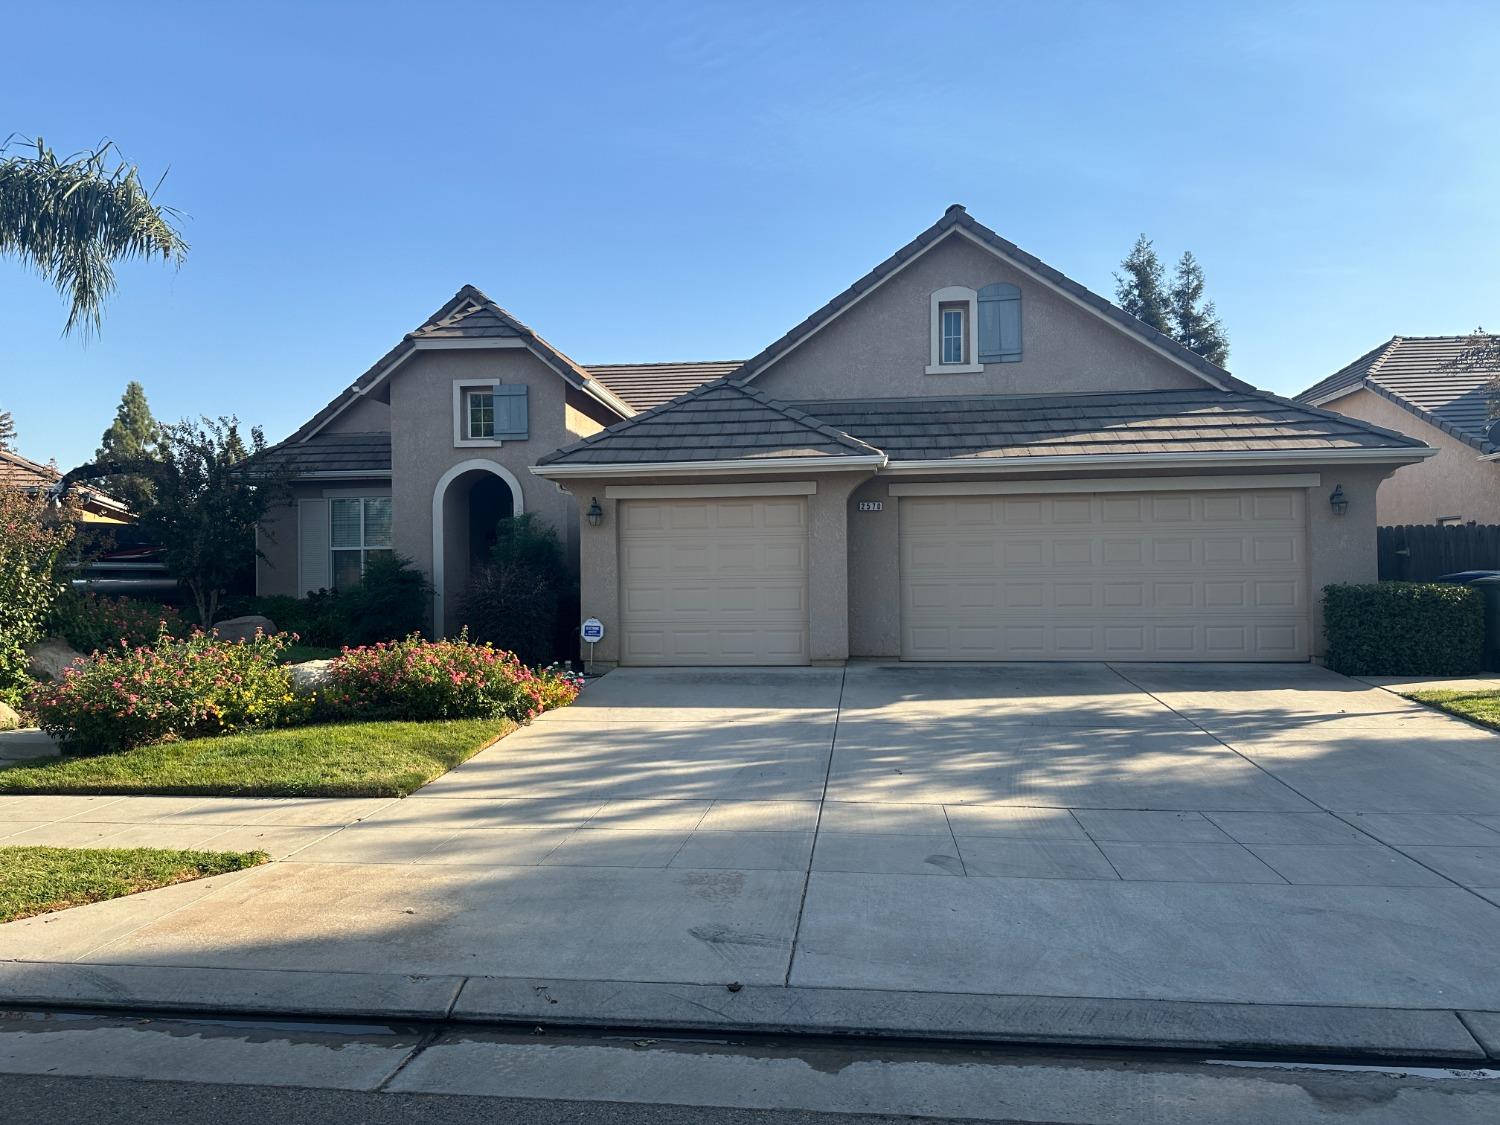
418, 679
88, 621
560, 685
125, 697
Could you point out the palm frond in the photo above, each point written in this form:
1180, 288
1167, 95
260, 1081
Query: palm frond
72, 218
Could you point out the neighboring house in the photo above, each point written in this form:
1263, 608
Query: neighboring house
964, 456
1427, 387
94, 506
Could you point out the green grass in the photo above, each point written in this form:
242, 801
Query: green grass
296, 654
1481, 706
38, 880
327, 760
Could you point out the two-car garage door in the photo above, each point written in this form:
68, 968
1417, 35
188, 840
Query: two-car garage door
1212, 575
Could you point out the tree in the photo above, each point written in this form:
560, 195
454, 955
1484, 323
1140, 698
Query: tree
1480, 352
1142, 289
72, 219
1195, 325
33, 537
130, 437
7, 430
205, 502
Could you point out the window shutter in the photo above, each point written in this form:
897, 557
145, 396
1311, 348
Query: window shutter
313, 564
510, 412
1000, 323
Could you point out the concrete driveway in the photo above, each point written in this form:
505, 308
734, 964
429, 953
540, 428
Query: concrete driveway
1230, 835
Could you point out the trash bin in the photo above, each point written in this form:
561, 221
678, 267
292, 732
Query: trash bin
1487, 582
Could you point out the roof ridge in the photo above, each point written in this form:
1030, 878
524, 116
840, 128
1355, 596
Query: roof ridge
671, 363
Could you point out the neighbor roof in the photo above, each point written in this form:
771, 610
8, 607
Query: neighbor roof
644, 385
22, 472
343, 454
956, 219
1433, 377
716, 422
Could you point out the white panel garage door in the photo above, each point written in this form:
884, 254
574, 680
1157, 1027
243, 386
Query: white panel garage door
714, 581
1214, 575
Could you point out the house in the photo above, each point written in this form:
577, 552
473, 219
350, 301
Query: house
94, 507
964, 456
1432, 388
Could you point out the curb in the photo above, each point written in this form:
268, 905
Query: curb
1055, 1021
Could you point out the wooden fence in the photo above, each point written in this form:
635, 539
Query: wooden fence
1422, 552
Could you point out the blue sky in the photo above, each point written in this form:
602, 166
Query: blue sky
686, 181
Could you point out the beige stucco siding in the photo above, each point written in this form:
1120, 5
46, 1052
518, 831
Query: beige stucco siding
1452, 483
881, 347
367, 415
276, 534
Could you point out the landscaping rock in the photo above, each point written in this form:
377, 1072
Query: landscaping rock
244, 628
309, 677
9, 720
47, 659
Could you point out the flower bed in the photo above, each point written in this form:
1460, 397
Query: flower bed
190, 688
89, 621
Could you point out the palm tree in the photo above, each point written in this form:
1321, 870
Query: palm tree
73, 218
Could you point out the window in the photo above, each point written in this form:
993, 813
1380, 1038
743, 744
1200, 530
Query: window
481, 414
360, 530
955, 333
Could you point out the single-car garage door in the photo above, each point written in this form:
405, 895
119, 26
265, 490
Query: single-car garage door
1213, 575
721, 581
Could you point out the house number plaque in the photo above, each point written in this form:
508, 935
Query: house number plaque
871, 505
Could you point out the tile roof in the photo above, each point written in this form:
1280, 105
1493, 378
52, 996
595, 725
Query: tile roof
22, 472
331, 453
644, 385
955, 218
1437, 378
1033, 426
716, 422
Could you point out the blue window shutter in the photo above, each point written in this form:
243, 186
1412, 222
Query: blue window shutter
510, 412
1000, 323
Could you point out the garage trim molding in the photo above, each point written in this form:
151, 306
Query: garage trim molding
1110, 484
709, 491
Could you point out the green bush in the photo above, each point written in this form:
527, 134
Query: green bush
33, 538
516, 599
416, 679
88, 621
192, 688
1404, 629
393, 601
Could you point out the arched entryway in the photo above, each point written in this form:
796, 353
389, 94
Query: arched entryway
470, 499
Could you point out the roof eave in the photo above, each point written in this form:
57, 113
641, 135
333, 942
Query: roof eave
1041, 463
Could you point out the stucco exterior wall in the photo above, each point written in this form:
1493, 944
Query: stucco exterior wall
881, 347
367, 416
276, 534
1454, 483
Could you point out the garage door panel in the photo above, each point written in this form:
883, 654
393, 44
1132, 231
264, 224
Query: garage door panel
1181, 576
720, 581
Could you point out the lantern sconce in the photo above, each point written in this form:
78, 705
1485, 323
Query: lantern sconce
1337, 501
595, 513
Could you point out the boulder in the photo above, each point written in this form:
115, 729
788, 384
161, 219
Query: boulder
244, 628
9, 720
309, 677
46, 660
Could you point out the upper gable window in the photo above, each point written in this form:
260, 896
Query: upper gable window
489, 412
955, 340
1000, 323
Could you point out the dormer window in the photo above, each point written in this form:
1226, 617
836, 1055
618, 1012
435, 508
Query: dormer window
955, 333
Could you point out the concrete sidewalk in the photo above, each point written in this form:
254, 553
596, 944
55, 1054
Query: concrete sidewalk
1212, 855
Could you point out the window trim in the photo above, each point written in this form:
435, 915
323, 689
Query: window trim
364, 548
942, 300
461, 389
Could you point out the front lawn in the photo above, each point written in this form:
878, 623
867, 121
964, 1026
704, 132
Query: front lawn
383, 759
38, 880
1482, 707
297, 654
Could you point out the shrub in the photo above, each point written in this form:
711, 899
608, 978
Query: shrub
559, 686
1404, 629
393, 600
415, 679
515, 600
33, 538
178, 689
88, 621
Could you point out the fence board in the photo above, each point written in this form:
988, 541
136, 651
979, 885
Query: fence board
1423, 552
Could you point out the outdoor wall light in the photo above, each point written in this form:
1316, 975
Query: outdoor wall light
1336, 501
595, 513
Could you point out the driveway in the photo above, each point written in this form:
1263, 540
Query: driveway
1265, 835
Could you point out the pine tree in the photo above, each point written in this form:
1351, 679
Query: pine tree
7, 430
1142, 289
131, 437
1195, 325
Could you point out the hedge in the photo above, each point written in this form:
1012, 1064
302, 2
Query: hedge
1404, 629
